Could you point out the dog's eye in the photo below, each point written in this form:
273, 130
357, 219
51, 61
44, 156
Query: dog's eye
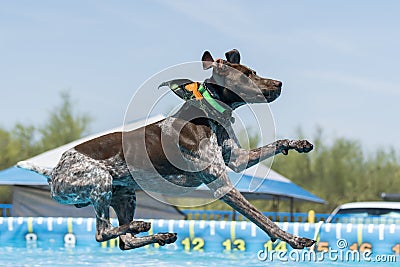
250, 73
247, 73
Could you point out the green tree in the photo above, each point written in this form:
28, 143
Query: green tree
23, 142
248, 138
63, 126
16, 144
341, 172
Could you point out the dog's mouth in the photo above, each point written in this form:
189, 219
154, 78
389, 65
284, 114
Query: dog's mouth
270, 90
272, 94
259, 95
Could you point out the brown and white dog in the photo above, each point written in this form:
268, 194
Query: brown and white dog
191, 147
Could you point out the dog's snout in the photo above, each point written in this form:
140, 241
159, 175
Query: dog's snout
278, 83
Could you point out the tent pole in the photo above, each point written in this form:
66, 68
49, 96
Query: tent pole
291, 210
277, 204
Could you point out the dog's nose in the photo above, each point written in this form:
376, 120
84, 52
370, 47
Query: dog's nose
278, 83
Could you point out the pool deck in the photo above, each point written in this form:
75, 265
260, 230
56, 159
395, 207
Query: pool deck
202, 235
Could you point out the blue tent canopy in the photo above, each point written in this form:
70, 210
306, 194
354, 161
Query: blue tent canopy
18, 176
264, 188
251, 187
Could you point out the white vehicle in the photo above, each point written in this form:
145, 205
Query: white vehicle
367, 213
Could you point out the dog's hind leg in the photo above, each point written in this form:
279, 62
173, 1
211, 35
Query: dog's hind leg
101, 198
104, 229
131, 242
124, 203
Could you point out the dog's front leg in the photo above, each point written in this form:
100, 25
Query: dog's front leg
224, 190
239, 159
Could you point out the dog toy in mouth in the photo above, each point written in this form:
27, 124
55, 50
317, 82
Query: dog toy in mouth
187, 90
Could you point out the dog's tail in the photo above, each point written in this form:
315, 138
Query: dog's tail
32, 167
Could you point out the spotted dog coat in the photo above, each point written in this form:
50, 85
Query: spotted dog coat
106, 171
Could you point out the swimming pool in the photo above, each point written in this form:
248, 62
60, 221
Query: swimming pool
70, 242
80, 256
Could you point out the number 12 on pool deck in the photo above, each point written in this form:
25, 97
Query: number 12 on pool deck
195, 244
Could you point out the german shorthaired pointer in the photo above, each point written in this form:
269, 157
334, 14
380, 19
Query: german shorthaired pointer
189, 148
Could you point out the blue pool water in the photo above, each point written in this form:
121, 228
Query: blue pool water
70, 242
81, 256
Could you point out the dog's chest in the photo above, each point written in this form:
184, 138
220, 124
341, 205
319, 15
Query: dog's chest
116, 166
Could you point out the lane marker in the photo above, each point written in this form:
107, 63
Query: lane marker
191, 229
296, 228
359, 234
50, 224
370, 228
30, 224
69, 225
233, 230
171, 226
243, 225
338, 230
89, 224
202, 224
285, 226
151, 230
317, 234
212, 228
222, 224
381, 231
253, 230
392, 228
10, 224
327, 227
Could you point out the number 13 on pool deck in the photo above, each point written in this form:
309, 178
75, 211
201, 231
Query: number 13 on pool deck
236, 244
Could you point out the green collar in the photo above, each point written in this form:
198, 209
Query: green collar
207, 96
187, 90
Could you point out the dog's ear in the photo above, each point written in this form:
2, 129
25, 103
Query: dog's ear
207, 60
233, 56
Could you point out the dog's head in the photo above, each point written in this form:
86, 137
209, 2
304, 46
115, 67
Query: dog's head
236, 84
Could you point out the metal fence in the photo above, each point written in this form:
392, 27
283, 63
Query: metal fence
225, 215
5, 210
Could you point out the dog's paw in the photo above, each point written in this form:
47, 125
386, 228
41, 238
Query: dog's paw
301, 242
301, 146
166, 238
139, 226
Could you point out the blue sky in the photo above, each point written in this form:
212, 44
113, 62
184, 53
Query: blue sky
338, 60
